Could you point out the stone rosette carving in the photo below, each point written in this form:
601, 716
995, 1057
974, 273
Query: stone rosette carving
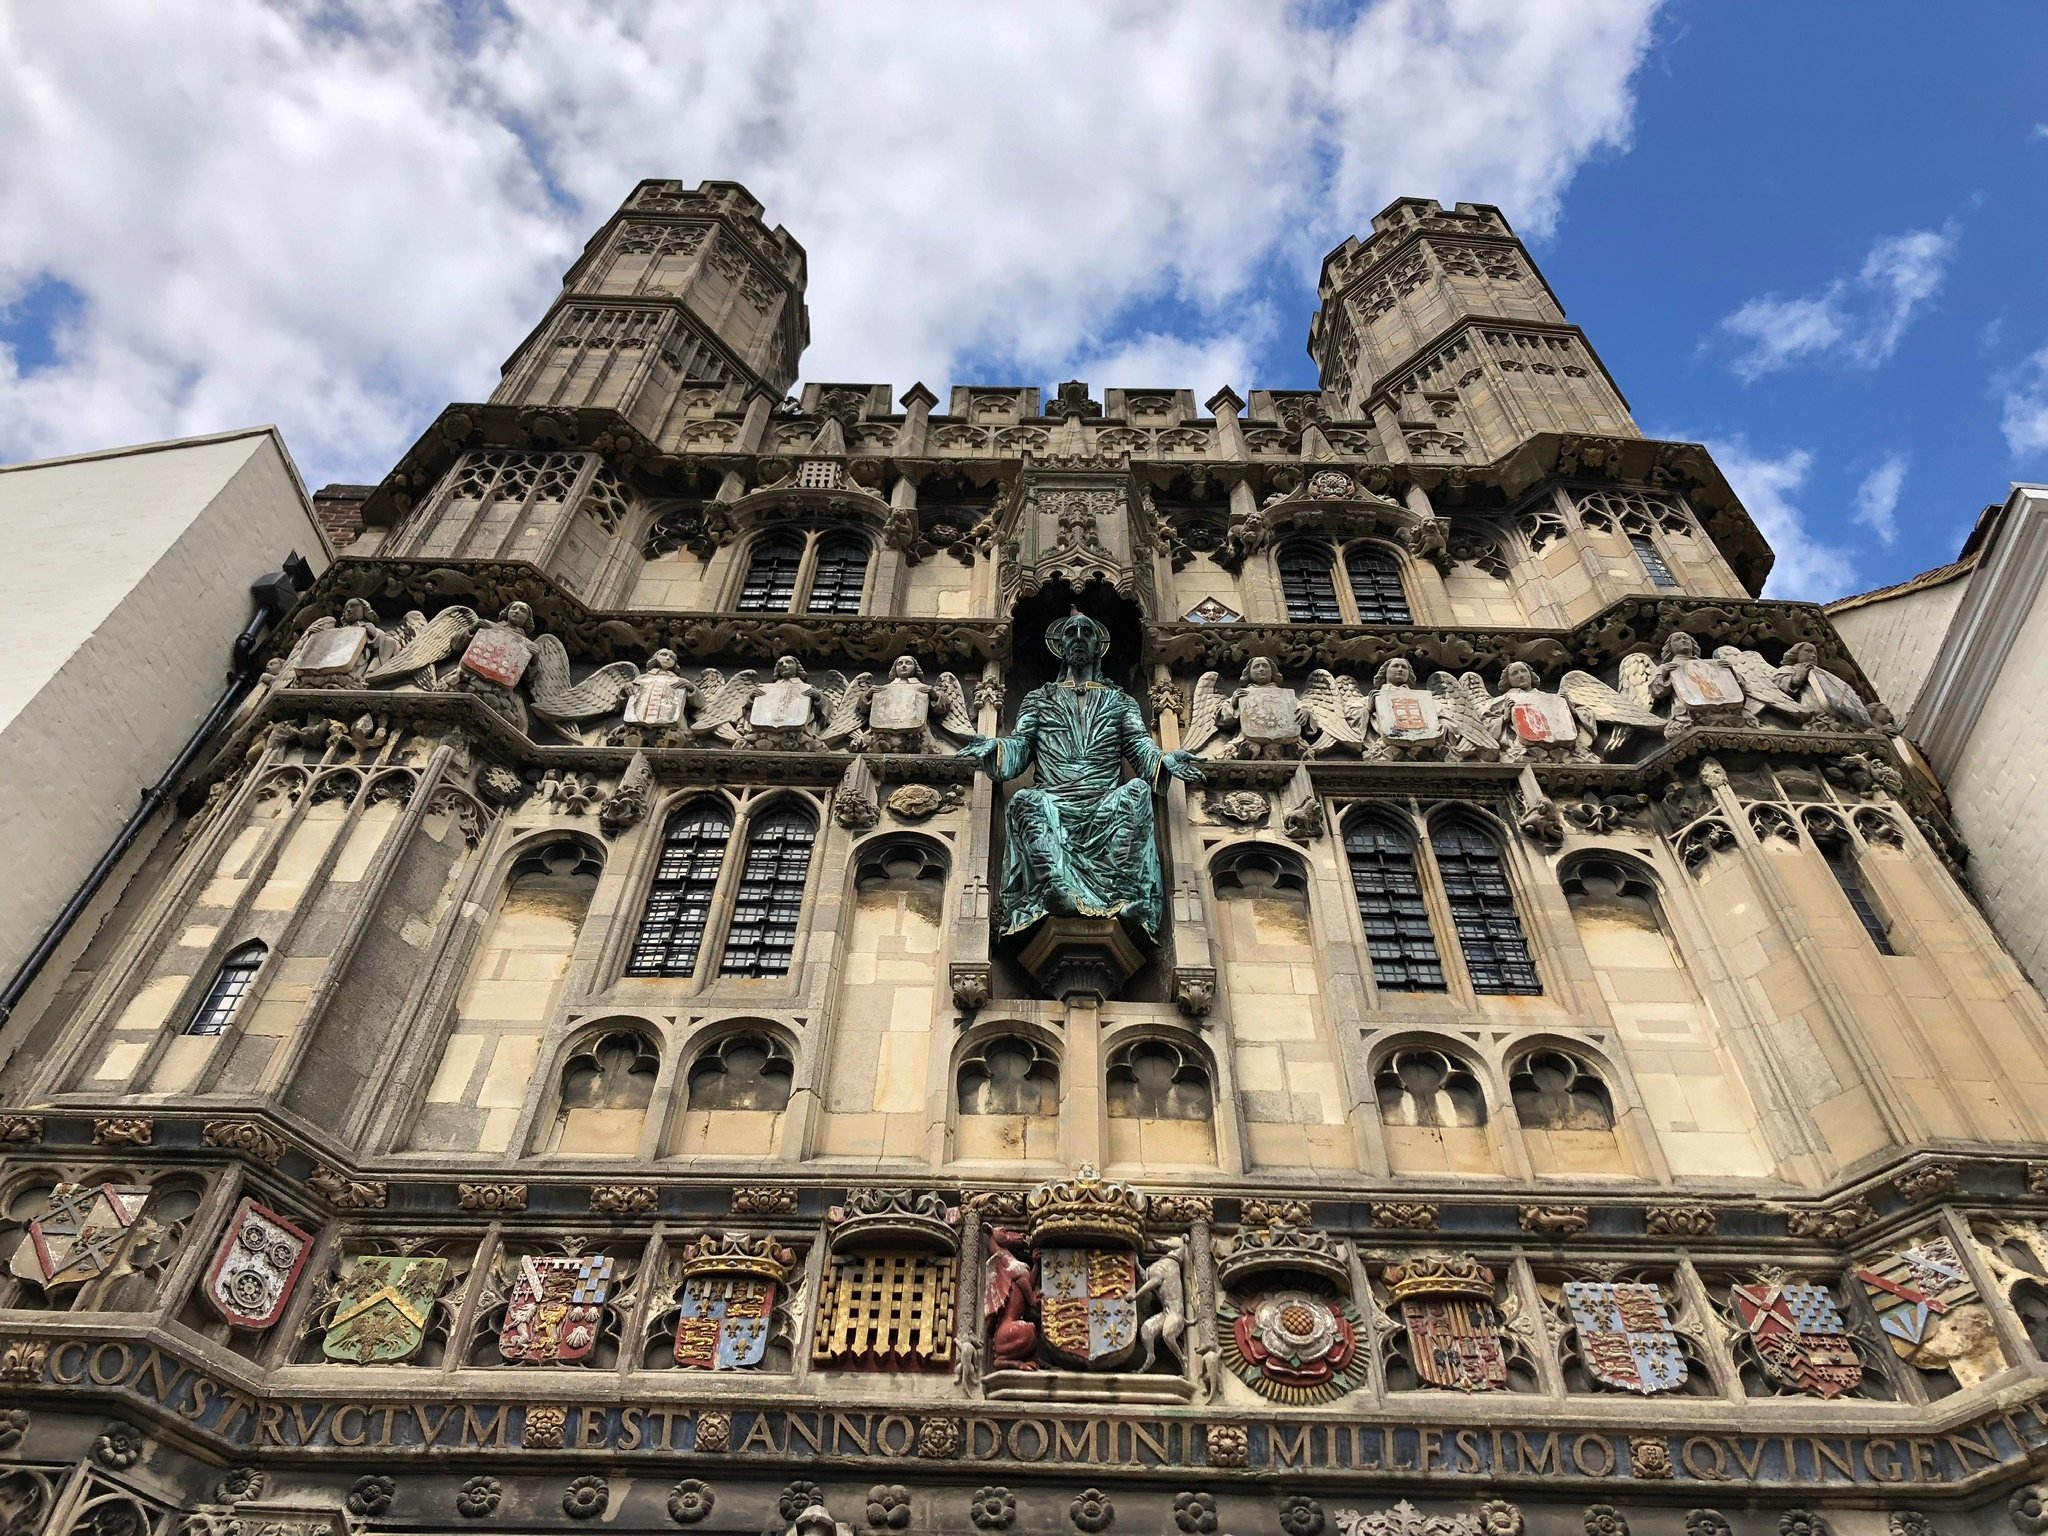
1263, 1213
545, 1423
1405, 1215
586, 1497
1179, 1210
1679, 1221
1707, 1522
478, 1497
1832, 1224
123, 1131
797, 1497
888, 1507
346, 1193
1931, 1181
1300, 1515
118, 1447
624, 1199
1091, 1511
491, 1197
1229, 1445
992, 1509
764, 1200
714, 1432
1553, 1220
1605, 1520
239, 1484
243, 1136
13, 1427
691, 1501
371, 1495
1497, 1517
1803, 1522
939, 1439
1194, 1514
2028, 1509
1649, 1456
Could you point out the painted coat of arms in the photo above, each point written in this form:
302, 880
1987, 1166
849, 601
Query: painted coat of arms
726, 1309
382, 1305
556, 1309
1799, 1336
82, 1233
1926, 1304
1453, 1326
1088, 1308
259, 1261
1625, 1335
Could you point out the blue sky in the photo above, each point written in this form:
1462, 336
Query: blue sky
1806, 234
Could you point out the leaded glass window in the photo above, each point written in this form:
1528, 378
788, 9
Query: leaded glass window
679, 902
1652, 560
1398, 935
231, 982
1307, 586
1843, 863
770, 585
841, 572
766, 910
1483, 910
1375, 577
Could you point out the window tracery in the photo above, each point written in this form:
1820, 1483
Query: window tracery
742, 1071
1158, 1080
796, 570
769, 901
231, 983
1483, 911
1399, 939
679, 901
1431, 1088
1371, 591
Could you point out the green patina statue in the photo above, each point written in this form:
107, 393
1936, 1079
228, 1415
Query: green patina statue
1081, 840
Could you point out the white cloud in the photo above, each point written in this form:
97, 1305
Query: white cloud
1877, 498
339, 214
1766, 484
1857, 321
2025, 414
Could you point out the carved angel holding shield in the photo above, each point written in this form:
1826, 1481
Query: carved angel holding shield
1609, 717
1262, 717
907, 714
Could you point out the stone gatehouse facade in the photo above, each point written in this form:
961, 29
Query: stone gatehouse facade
566, 1074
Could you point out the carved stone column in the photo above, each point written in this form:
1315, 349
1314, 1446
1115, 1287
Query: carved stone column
968, 974
1204, 1353
967, 1317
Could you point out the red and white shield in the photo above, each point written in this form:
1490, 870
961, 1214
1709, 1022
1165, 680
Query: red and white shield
498, 655
257, 1266
1799, 1336
82, 1234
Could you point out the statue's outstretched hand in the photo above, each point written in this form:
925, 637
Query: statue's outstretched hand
981, 750
1183, 766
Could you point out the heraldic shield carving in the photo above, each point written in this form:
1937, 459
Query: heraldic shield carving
726, 1312
382, 1304
1453, 1326
1625, 1335
257, 1266
82, 1234
1084, 1236
1799, 1336
556, 1309
1928, 1308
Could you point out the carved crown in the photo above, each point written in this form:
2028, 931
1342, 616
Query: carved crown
1085, 1209
1439, 1274
1301, 1250
736, 1253
894, 1218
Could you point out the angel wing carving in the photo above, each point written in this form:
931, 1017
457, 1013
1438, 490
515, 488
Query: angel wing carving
1337, 705
438, 639
556, 698
1204, 719
724, 701
950, 714
1465, 703
1596, 706
1759, 681
846, 704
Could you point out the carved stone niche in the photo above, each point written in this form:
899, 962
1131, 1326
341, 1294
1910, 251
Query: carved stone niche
1075, 527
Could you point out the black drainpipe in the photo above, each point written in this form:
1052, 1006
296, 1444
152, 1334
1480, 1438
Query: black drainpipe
275, 594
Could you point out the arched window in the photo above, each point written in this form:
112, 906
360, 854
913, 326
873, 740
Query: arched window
745, 1071
1398, 936
679, 903
1307, 585
841, 573
216, 1010
1428, 1088
607, 1085
1009, 1075
762, 939
1376, 585
799, 570
1370, 592
1483, 910
1652, 560
772, 570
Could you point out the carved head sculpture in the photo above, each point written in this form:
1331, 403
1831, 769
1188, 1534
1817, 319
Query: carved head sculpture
905, 669
1518, 674
357, 610
1078, 641
787, 667
1260, 671
663, 660
1804, 654
1398, 673
517, 616
1681, 647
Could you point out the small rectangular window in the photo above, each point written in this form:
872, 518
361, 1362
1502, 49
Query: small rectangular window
1843, 864
1652, 560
